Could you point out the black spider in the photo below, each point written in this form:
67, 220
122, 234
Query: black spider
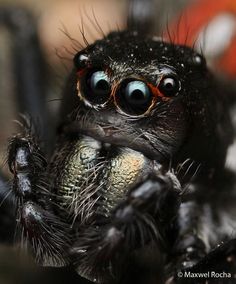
136, 189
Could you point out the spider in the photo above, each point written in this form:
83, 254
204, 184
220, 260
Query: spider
136, 189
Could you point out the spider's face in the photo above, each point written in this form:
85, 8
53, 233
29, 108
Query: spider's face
134, 93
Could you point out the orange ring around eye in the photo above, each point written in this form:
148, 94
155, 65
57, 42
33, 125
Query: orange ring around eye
82, 76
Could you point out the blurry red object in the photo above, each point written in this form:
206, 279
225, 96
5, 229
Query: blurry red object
196, 16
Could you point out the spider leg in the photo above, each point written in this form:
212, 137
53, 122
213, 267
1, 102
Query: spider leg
138, 226
189, 247
39, 226
28, 66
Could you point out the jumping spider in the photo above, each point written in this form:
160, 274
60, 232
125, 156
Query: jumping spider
136, 188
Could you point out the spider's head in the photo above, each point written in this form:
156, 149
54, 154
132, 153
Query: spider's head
151, 96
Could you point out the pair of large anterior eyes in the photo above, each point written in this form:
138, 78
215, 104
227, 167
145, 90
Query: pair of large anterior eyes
132, 96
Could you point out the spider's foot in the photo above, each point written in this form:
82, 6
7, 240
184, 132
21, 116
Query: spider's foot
47, 234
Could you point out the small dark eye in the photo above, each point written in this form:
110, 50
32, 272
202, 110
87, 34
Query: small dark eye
134, 97
95, 87
80, 60
169, 86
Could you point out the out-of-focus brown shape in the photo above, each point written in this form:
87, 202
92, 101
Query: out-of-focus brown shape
92, 18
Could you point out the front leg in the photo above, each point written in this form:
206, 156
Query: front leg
38, 226
138, 228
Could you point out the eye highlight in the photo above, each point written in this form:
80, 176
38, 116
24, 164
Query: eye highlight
134, 97
99, 83
95, 87
137, 93
169, 86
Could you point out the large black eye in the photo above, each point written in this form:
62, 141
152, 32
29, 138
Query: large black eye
134, 97
169, 86
95, 87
